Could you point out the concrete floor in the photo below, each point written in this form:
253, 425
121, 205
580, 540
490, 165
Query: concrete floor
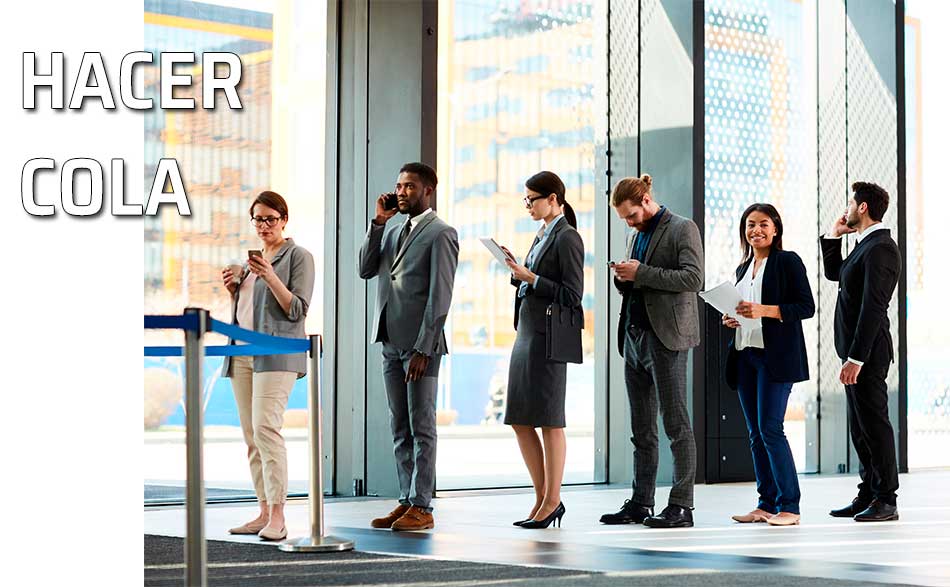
476, 526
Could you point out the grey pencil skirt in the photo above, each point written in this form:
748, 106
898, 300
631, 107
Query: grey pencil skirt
536, 386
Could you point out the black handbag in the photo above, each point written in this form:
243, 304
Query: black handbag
563, 340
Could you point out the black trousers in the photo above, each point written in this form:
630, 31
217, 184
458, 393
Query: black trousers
872, 434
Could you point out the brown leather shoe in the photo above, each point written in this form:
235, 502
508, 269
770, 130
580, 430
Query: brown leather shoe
414, 519
387, 520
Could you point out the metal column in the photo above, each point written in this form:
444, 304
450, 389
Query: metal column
195, 550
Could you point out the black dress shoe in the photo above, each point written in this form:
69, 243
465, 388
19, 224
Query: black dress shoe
878, 511
672, 516
630, 513
856, 506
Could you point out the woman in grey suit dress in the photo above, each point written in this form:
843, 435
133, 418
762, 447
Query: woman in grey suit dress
553, 272
270, 295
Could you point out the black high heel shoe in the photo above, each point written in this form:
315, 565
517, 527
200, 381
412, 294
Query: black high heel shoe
553, 517
520, 522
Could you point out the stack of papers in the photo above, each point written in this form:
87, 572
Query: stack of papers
725, 297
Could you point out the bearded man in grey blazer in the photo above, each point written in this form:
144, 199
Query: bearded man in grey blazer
659, 323
415, 262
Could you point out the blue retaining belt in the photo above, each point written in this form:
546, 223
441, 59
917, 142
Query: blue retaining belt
297, 345
261, 344
228, 350
183, 322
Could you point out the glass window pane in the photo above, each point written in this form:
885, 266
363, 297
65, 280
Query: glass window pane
226, 158
928, 374
516, 96
760, 118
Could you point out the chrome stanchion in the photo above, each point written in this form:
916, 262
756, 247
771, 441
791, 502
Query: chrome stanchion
196, 556
316, 542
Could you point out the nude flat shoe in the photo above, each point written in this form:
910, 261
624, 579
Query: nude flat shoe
755, 515
784, 519
270, 534
249, 528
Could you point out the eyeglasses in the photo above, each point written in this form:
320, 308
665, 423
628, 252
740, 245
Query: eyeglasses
528, 200
269, 221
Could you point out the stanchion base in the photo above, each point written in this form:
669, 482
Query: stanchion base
317, 544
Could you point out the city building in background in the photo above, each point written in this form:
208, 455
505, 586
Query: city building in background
228, 156
224, 154
516, 96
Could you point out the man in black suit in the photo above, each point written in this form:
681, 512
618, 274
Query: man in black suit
867, 280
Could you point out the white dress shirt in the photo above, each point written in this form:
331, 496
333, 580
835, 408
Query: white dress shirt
414, 221
750, 288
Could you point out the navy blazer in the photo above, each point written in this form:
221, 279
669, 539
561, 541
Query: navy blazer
784, 284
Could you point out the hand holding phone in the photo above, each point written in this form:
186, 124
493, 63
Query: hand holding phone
254, 253
387, 206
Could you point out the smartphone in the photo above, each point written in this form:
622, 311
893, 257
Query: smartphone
611, 263
254, 253
390, 202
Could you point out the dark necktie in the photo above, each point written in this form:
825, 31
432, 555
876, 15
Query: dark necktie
403, 235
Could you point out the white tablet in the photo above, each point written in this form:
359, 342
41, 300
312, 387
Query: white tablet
496, 250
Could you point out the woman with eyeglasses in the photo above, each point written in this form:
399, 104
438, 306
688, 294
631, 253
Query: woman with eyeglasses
270, 294
553, 272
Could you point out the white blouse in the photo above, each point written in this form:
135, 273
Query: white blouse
750, 288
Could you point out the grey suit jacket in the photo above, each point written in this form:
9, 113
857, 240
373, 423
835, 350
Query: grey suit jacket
671, 274
293, 265
414, 290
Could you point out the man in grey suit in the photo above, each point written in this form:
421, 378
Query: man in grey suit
415, 262
659, 323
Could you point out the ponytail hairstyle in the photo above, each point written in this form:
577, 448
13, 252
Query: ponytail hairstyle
547, 183
632, 189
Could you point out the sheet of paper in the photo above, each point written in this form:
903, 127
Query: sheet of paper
725, 297
495, 249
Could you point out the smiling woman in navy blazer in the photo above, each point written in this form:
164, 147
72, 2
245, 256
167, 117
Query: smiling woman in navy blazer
767, 358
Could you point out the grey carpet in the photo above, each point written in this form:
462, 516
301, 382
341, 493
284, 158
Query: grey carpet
251, 565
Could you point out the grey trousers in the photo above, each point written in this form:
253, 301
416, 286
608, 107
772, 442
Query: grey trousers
651, 372
412, 419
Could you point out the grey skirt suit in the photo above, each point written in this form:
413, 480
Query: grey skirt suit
536, 386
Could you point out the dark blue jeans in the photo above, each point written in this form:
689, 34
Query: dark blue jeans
763, 403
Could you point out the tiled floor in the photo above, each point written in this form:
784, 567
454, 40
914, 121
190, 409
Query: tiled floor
477, 527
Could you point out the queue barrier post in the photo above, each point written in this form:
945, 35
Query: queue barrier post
318, 541
196, 556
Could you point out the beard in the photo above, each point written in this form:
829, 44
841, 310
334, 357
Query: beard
852, 220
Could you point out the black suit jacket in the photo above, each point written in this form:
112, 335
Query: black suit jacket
560, 270
784, 284
867, 279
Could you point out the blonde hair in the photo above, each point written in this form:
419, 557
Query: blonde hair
632, 189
